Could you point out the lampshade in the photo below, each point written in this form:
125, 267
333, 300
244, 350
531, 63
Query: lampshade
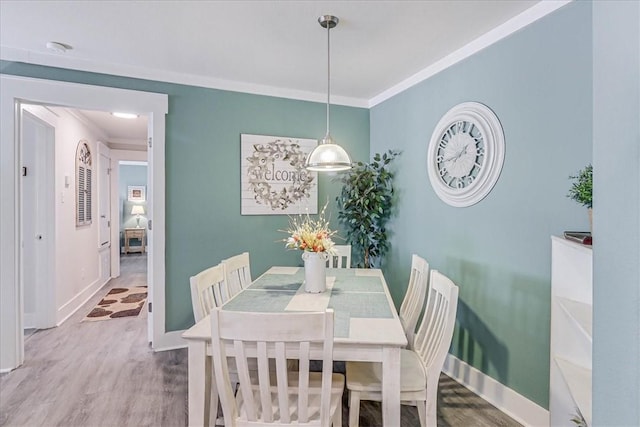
328, 156
137, 210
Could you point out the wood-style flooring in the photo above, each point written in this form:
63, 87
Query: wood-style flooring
99, 374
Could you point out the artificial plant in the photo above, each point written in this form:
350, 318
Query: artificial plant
582, 187
365, 206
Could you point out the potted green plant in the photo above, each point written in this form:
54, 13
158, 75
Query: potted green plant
582, 189
365, 206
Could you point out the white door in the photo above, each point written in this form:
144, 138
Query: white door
38, 280
104, 211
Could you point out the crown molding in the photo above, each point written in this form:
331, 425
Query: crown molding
511, 26
22, 55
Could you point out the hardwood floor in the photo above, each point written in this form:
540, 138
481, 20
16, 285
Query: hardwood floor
95, 374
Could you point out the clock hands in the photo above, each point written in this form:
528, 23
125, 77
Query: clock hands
456, 156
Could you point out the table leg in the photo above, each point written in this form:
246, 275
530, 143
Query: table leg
391, 386
199, 403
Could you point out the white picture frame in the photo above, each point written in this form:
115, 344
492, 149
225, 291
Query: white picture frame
136, 193
273, 177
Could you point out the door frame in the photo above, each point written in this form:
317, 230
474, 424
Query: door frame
16, 90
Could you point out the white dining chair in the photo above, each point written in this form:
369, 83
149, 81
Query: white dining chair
208, 290
420, 367
283, 397
237, 272
414, 297
341, 257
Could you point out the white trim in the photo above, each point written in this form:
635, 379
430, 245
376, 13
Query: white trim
29, 321
78, 300
17, 89
132, 163
170, 341
502, 397
22, 55
511, 26
527, 17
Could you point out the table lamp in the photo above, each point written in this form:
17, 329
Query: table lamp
137, 210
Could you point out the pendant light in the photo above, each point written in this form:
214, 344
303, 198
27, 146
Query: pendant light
328, 156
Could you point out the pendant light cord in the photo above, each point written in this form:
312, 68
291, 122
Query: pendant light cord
328, 73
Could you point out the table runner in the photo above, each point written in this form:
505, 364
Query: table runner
350, 293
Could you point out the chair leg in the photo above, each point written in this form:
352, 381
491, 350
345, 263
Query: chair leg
422, 413
214, 397
431, 405
337, 417
214, 406
354, 408
208, 391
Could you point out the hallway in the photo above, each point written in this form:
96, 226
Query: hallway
97, 373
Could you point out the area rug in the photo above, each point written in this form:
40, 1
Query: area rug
119, 302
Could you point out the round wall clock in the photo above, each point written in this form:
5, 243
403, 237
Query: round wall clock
465, 154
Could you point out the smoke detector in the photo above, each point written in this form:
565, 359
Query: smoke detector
58, 47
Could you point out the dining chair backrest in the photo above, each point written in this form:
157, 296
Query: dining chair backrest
434, 335
414, 298
208, 290
237, 272
270, 397
341, 257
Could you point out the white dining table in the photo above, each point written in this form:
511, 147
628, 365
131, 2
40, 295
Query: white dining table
367, 328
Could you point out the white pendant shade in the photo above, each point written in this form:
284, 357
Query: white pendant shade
328, 157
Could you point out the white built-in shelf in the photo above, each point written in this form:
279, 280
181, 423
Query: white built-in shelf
571, 332
580, 313
578, 379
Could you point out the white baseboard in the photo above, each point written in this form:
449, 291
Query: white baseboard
170, 341
75, 303
502, 397
29, 320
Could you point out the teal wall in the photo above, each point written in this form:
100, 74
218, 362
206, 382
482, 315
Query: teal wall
203, 127
616, 219
538, 82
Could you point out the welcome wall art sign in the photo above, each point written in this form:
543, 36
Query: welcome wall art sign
274, 180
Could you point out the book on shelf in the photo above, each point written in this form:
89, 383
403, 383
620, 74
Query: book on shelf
583, 237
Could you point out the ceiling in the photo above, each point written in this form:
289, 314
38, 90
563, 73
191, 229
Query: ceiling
270, 47
116, 132
265, 47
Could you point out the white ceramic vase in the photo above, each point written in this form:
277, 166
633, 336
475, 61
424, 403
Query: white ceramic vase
315, 271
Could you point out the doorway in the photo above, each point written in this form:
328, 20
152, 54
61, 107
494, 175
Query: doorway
132, 202
17, 90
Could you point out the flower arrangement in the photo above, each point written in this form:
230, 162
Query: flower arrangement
310, 235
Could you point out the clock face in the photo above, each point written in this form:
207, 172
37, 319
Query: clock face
460, 154
466, 154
